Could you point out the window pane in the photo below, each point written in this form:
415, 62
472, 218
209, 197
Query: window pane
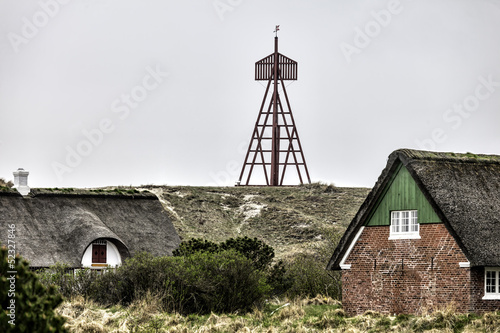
414, 221
491, 281
395, 221
497, 282
405, 222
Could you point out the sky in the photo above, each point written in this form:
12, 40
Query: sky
127, 92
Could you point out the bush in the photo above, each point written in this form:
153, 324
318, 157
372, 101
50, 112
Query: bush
302, 275
278, 280
28, 304
194, 245
256, 250
67, 282
308, 277
138, 276
201, 282
219, 282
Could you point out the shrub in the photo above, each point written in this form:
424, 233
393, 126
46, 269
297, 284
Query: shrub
67, 282
256, 250
113, 287
201, 282
302, 275
28, 304
278, 280
138, 276
219, 282
194, 245
308, 277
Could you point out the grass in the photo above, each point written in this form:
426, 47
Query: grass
7, 189
317, 314
290, 219
119, 191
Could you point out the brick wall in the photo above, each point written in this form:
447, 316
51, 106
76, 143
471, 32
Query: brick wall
405, 276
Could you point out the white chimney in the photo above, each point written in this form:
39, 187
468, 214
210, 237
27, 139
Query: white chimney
21, 181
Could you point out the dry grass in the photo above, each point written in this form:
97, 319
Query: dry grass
290, 219
4, 183
86, 317
318, 314
291, 312
320, 300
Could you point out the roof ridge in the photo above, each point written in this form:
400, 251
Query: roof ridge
80, 193
413, 154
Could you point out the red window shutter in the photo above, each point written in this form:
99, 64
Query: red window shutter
98, 253
102, 254
95, 253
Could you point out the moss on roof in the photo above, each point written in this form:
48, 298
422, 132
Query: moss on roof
8, 190
448, 156
101, 192
118, 192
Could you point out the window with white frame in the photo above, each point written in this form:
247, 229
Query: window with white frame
492, 283
404, 224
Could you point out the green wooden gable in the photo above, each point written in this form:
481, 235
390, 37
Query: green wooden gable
402, 193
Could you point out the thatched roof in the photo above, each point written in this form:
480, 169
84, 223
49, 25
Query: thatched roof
57, 225
463, 189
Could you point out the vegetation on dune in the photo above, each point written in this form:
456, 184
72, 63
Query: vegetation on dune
198, 283
27, 305
317, 314
289, 219
209, 288
302, 224
258, 252
202, 277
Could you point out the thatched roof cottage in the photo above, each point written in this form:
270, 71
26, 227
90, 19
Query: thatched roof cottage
84, 228
428, 234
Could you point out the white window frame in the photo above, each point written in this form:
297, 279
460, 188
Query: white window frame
404, 224
496, 293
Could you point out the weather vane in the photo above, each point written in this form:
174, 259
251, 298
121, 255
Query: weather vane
276, 31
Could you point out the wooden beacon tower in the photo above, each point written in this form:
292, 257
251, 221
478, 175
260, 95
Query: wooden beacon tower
275, 143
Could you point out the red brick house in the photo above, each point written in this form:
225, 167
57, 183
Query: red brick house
427, 235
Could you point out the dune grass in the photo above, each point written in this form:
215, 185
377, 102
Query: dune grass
289, 219
318, 314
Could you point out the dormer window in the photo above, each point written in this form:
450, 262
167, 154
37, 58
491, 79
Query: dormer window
99, 252
404, 225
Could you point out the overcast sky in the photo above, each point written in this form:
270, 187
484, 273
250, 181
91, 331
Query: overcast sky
128, 92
